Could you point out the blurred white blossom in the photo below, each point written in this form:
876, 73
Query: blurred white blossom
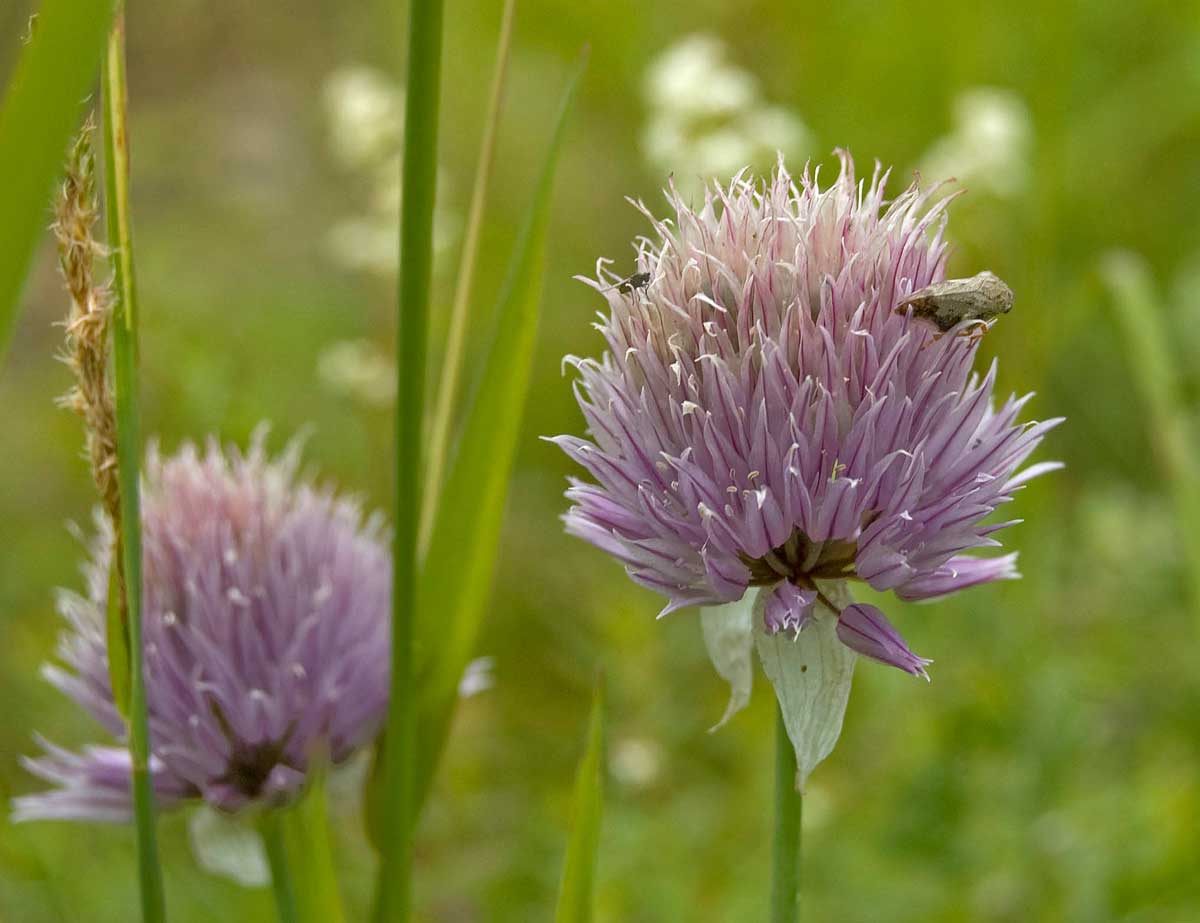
636, 761
365, 114
989, 146
360, 370
477, 678
707, 117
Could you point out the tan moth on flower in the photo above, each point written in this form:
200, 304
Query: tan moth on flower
978, 300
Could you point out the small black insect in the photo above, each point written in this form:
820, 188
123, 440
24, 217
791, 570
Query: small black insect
633, 283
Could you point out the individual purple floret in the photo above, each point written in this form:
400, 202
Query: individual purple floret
787, 607
266, 604
765, 416
866, 630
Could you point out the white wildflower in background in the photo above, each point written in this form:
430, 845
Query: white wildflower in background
707, 117
366, 116
637, 762
990, 145
360, 370
365, 113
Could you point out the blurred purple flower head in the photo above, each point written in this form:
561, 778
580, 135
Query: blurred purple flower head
266, 604
764, 417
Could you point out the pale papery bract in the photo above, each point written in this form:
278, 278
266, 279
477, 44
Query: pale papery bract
266, 604
764, 416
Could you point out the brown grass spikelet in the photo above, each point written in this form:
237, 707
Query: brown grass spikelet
88, 322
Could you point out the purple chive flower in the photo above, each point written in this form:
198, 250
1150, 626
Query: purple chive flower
266, 604
765, 416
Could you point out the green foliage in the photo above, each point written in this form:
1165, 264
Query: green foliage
116, 641
447, 390
577, 891
279, 857
457, 576
418, 190
41, 110
297, 842
129, 456
1143, 322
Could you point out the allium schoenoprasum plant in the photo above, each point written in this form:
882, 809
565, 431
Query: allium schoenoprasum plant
768, 415
266, 639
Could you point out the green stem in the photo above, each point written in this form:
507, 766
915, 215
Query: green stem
418, 182
439, 434
125, 362
785, 849
282, 883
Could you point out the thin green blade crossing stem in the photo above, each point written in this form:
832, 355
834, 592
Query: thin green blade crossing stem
439, 435
129, 449
41, 111
457, 574
298, 850
310, 856
785, 847
418, 184
576, 894
283, 883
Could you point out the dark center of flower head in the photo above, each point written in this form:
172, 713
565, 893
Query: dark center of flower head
801, 560
250, 765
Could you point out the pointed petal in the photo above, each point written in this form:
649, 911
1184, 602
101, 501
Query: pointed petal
729, 638
92, 785
958, 573
811, 673
867, 631
728, 576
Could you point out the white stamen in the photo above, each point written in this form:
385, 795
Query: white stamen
235, 596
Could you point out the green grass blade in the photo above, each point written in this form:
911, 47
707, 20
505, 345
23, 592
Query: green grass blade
576, 893
457, 574
310, 857
443, 414
41, 110
283, 881
1142, 320
418, 185
116, 641
129, 453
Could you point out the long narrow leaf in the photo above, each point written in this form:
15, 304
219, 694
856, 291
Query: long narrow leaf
576, 894
129, 452
418, 185
310, 857
41, 109
439, 433
1141, 318
283, 881
457, 574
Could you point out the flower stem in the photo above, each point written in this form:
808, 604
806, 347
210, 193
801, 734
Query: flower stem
785, 849
282, 882
125, 360
418, 184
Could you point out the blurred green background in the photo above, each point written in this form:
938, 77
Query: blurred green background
1051, 771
